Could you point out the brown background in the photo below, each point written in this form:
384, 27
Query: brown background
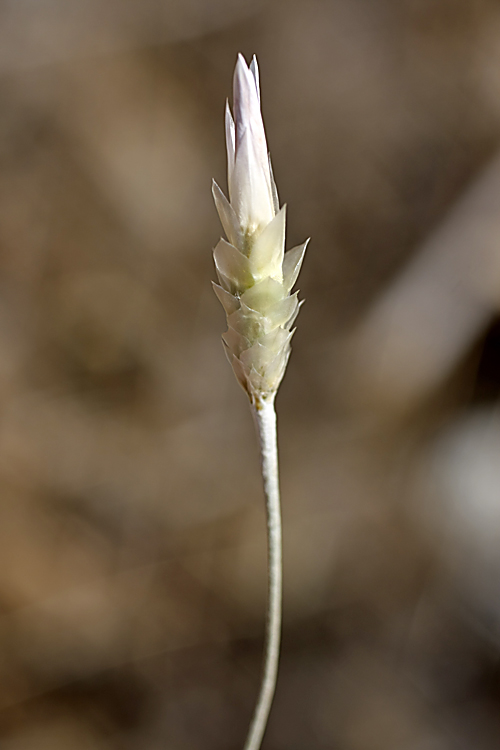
132, 542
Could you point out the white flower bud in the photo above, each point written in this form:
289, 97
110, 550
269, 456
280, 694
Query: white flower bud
255, 274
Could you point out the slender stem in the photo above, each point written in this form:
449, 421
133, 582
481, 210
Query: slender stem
265, 420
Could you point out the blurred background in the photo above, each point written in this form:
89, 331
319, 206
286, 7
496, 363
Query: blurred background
132, 532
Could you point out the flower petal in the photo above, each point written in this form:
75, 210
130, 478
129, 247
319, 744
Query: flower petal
247, 114
250, 186
254, 69
250, 181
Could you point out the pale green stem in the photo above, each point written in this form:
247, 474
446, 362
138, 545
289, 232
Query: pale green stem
265, 419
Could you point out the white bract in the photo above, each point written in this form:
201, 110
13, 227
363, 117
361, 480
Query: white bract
255, 274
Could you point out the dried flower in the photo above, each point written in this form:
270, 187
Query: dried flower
255, 274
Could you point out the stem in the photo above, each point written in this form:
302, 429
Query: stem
265, 420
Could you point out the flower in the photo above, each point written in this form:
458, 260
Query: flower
255, 274
249, 174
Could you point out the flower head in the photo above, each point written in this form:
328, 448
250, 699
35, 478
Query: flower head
255, 274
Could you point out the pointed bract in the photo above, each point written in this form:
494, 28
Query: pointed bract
235, 341
268, 249
274, 189
263, 295
226, 215
250, 180
292, 263
233, 265
228, 301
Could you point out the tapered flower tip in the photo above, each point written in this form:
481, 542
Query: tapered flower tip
254, 67
245, 83
250, 184
246, 103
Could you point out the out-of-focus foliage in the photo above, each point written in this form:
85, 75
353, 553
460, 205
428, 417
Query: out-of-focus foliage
132, 538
